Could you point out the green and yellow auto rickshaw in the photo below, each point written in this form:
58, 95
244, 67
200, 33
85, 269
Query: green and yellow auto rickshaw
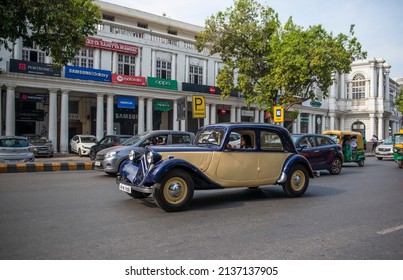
352, 144
398, 148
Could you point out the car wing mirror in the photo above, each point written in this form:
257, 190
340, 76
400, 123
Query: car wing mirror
302, 146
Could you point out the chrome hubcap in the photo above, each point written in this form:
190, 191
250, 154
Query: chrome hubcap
297, 180
175, 190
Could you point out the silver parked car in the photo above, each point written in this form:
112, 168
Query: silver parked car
110, 159
15, 149
385, 150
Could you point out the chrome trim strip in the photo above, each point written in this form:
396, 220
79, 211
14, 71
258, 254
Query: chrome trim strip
282, 178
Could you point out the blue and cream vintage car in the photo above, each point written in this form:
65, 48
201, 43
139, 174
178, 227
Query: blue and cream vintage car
265, 155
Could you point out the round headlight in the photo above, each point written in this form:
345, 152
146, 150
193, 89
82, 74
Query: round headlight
131, 155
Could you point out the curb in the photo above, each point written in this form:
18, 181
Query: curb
45, 167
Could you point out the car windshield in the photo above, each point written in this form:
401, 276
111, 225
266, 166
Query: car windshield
399, 139
88, 139
388, 141
210, 136
13, 143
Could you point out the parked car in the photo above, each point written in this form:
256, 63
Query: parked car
41, 146
82, 143
15, 149
322, 152
106, 142
172, 173
109, 160
385, 149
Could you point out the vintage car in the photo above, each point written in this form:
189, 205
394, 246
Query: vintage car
172, 173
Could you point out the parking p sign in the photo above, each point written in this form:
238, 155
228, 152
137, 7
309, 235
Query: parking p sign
278, 114
198, 106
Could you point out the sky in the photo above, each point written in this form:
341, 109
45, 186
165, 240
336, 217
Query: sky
378, 24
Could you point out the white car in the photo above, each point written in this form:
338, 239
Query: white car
385, 150
81, 144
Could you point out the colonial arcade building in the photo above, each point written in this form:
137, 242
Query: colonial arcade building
140, 72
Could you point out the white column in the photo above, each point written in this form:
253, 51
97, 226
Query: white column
342, 86
187, 69
114, 63
371, 125
109, 114
343, 123
381, 127
233, 113
323, 123
262, 116
141, 116
100, 116
173, 72
97, 58
380, 85
183, 125
311, 123
213, 116
64, 122
373, 80
298, 124
1, 113
238, 114
175, 124
18, 49
207, 118
256, 115
387, 88
331, 115
205, 72
350, 89
153, 64
53, 118
10, 110
138, 63
149, 122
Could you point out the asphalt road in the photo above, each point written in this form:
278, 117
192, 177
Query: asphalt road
356, 215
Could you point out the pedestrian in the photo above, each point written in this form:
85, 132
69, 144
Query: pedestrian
374, 141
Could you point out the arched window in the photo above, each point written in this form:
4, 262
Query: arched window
358, 86
359, 126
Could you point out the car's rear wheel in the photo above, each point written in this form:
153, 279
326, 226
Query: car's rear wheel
335, 166
297, 181
175, 192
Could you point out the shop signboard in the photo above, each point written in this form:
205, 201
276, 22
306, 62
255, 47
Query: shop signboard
91, 74
162, 83
111, 46
278, 114
162, 106
35, 68
200, 88
125, 102
31, 115
129, 80
198, 107
39, 98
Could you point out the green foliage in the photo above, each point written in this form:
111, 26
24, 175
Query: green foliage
58, 27
273, 64
399, 100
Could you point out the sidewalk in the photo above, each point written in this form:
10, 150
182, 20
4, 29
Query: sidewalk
59, 162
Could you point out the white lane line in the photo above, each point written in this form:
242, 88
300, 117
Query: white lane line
389, 230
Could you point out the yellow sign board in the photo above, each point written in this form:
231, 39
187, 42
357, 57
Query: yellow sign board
278, 114
198, 107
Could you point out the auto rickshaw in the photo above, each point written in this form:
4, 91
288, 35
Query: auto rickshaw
398, 148
351, 152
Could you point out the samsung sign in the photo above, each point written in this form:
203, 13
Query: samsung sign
81, 73
126, 102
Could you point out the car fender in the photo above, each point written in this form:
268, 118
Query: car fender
294, 159
157, 173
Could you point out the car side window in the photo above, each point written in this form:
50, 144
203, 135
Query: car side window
180, 139
242, 139
323, 141
270, 141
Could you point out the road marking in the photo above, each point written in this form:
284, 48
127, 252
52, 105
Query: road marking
389, 230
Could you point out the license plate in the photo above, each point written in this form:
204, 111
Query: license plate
97, 163
125, 188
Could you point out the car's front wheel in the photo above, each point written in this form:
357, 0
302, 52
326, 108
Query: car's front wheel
335, 166
297, 181
175, 192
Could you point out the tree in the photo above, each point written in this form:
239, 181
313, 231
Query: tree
58, 27
399, 100
270, 64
